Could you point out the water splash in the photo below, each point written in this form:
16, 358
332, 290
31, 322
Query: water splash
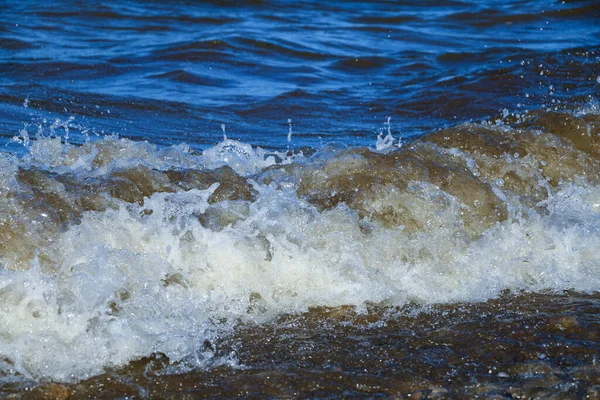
128, 249
388, 141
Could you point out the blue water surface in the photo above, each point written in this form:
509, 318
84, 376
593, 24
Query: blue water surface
174, 72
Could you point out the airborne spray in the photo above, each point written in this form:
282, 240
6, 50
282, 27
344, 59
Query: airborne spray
224, 134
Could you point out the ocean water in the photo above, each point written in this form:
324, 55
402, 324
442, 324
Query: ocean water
300, 199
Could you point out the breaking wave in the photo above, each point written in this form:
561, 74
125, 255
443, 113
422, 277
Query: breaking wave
114, 250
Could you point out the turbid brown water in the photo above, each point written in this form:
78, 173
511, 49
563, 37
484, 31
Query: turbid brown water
517, 346
523, 344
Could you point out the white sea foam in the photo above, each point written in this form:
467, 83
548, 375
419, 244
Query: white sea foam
151, 278
52, 152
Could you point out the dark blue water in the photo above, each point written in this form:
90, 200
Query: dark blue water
175, 72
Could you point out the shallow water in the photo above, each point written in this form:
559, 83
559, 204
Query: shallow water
528, 346
300, 200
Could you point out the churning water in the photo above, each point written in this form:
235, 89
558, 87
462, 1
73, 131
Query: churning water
301, 199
